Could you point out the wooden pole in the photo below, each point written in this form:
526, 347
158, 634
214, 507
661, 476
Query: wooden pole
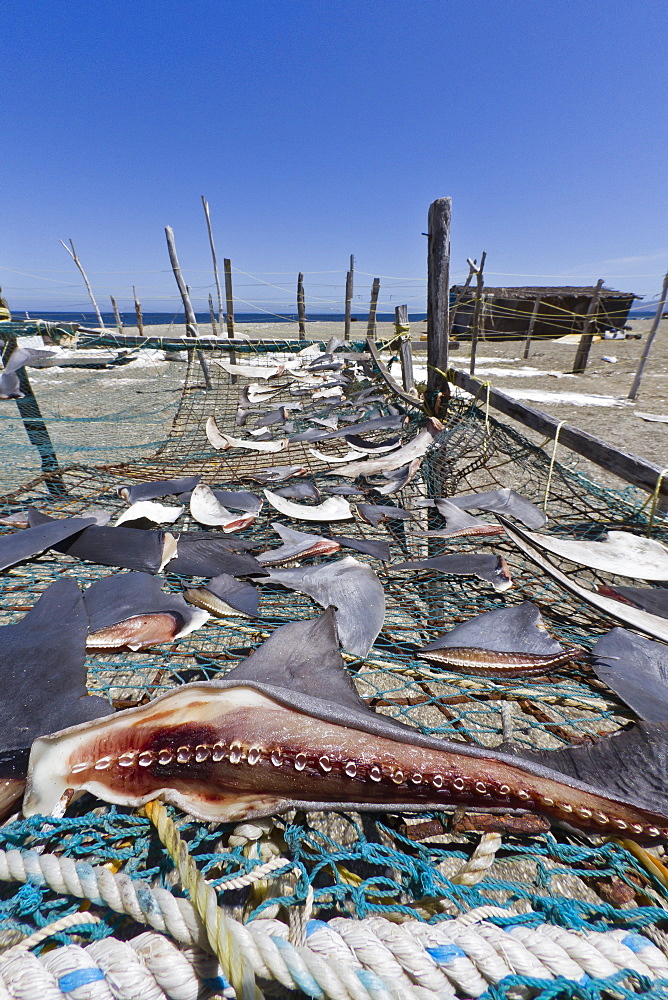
117, 315
438, 302
73, 255
214, 328
349, 297
473, 267
401, 320
301, 308
227, 263
406, 358
191, 322
371, 325
140, 318
532, 323
582, 353
475, 332
215, 262
650, 337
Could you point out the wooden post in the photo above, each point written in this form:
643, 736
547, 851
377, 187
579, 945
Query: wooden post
215, 263
301, 309
371, 325
438, 301
650, 337
140, 318
36, 429
228, 296
73, 255
117, 315
475, 331
349, 298
214, 328
582, 353
191, 322
473, 267
532, 323
401, 320
406, 358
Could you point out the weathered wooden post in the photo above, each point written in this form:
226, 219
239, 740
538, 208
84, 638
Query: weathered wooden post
532, 323
475, 326
406, 359
650, 337
117, 315
373, 304
229, 316
138, 313
191, 322
205, 204
214, 328
438, 303
73, 255
582, 353
301, 308
349, 297
401, 320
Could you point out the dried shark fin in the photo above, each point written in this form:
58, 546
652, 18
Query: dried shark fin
352, 588
135, 492
40, 536
651, 599
296, 545
504, 501
127, 548
506, 642
379, 550
131, 609
44, 675
490, 568
225, 596
636, 669
208, 554
459, 522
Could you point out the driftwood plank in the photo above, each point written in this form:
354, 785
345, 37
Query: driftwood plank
628, 467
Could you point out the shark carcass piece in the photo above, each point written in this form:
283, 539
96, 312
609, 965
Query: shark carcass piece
286, 729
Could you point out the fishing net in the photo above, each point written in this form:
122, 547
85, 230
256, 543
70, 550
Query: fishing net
140, 419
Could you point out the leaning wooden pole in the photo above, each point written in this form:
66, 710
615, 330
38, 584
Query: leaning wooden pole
229, 315
582, 353
73, 254
215, 263
191, 322
438, 302
477, 310
373, 305
212, 315
301, 308
117, 315
349, 298
138, 313
650, 337
532, 323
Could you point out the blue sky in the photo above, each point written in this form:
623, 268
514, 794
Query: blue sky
320, 129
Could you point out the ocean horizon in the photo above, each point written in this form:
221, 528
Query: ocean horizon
178, 319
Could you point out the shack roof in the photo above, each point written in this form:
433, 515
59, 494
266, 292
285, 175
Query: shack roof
548, 291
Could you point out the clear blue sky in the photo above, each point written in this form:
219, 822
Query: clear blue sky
320, 129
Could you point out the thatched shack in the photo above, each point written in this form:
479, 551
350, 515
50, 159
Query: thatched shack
506, 313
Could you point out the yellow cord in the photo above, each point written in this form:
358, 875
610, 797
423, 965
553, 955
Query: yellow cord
218, 926
655, 500
548, 485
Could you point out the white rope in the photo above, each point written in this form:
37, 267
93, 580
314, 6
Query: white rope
341, 959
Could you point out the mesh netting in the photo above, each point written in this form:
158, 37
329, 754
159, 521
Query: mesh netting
356, 864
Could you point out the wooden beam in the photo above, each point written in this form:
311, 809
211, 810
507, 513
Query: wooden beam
477, 310
626, 466
138, 313
650, 337
371, 325
228, 296
117, 315
438, 299
406, 358
191, 322
582, 353
301, 307
73, 254
212, 315
349, 298
216, 276
401, 325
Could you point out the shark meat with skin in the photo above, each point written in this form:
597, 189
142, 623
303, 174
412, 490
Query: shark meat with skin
286, 729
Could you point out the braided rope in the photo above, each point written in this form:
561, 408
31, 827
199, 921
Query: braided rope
341, 959
482, 859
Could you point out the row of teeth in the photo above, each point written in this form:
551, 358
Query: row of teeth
237, 754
